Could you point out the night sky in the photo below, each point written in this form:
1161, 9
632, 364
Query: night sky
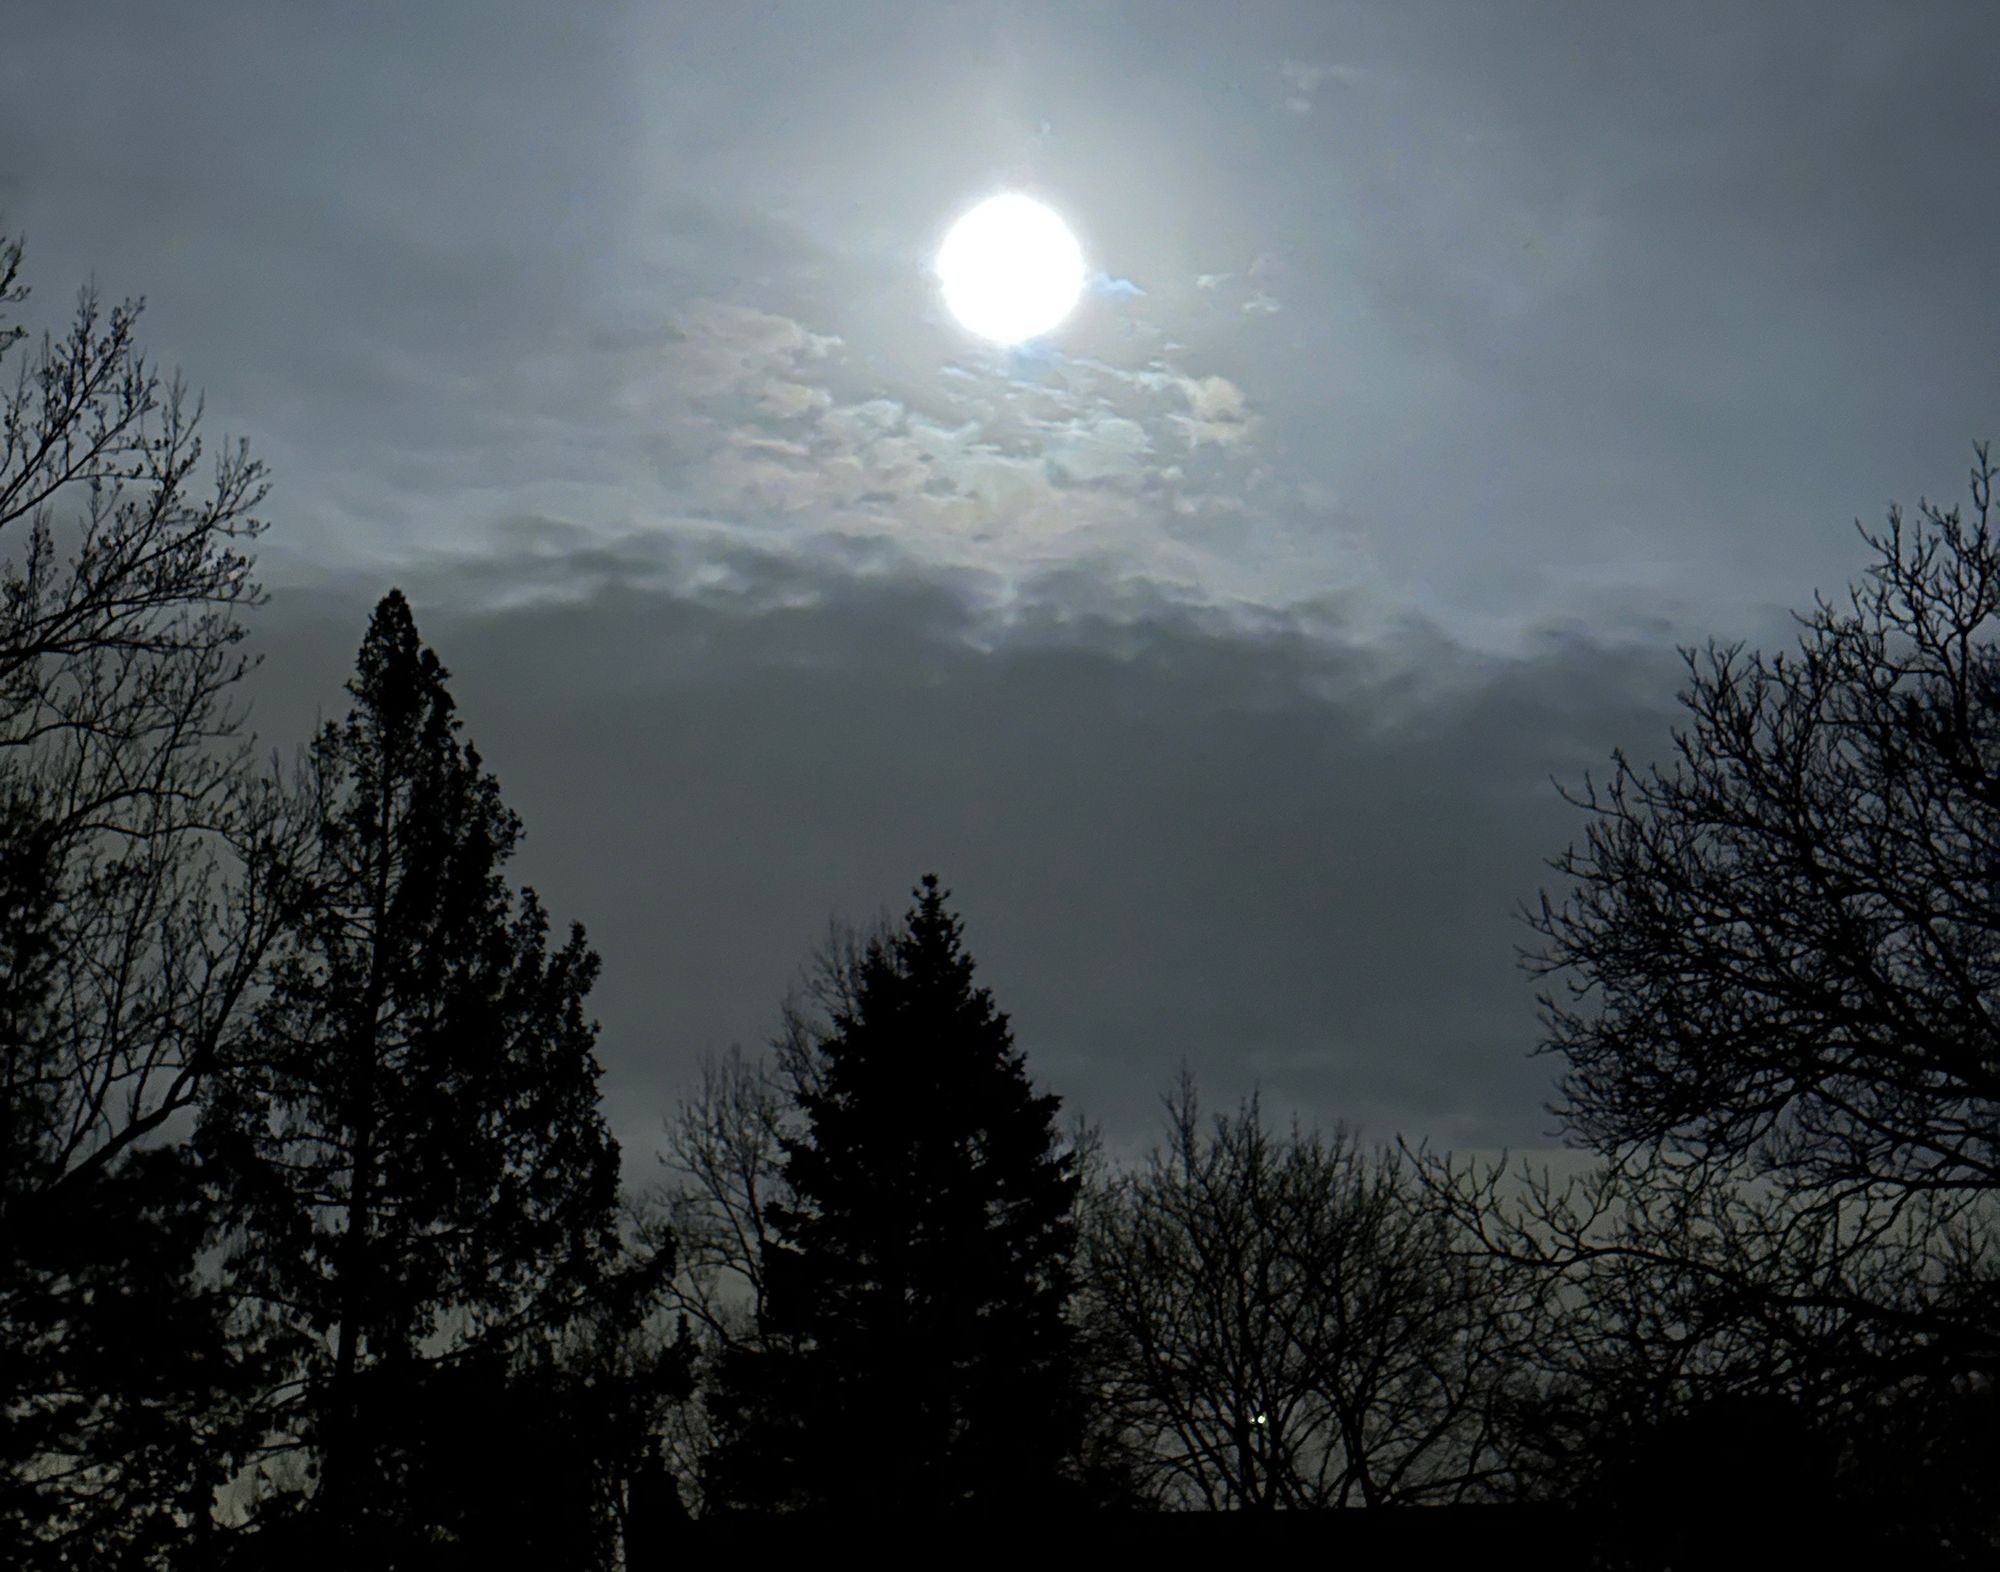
1441, 367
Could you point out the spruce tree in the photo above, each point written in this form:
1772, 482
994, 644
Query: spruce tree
915, 1357
427, 1175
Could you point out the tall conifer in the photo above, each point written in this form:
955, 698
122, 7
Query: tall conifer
428, 1173
916, 1357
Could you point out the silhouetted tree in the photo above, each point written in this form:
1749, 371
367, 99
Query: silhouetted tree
544, 1453
134, 934
614, 1378
119, 605
1286, 1324
725, 1152
914, 1357
1778, 960
724, 1148
425, 1169
111, 1352
1654, 1311
1783, 952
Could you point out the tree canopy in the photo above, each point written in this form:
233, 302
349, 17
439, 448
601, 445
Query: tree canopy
423, 1161
1781, 954
916, 1358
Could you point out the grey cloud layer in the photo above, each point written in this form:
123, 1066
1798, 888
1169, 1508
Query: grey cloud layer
1265, 854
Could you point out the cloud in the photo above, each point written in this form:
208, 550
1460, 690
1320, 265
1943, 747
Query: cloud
1217, 412
1302, 81
1266, 846
768, 427
1252, 295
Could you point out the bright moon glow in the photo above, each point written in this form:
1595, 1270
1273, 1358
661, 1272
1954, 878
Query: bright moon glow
1010, 269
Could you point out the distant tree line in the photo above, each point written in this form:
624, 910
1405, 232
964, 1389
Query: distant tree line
313, 1250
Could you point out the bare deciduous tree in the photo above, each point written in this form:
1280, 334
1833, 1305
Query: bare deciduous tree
121, 585
1284, 1324
1680, 1332
125, 790
1774, 976
1781, 955
725, 1168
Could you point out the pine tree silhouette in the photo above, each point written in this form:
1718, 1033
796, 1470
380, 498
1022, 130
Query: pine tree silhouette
915, 1358
427, 1173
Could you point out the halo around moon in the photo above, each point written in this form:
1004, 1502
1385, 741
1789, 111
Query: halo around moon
1009, 269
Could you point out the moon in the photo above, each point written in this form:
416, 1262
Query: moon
1009, 269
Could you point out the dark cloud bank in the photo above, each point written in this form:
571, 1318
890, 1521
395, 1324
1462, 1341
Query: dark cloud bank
1288, 860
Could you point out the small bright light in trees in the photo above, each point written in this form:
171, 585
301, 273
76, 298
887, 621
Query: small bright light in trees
1010, 269
1263, 1419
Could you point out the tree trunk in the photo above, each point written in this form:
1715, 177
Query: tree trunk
341, 1464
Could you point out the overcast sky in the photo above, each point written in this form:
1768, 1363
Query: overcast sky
1442, 366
